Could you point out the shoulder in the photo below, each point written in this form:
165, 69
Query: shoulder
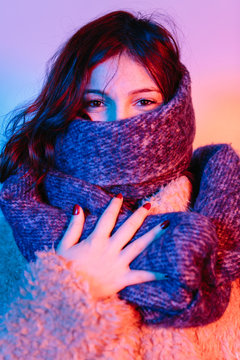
17, 183
215, 160
222, 152
216, 171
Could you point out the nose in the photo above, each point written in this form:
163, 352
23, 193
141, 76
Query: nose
122, 113
119, 111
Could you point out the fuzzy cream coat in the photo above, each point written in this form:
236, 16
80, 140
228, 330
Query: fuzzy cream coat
57, 318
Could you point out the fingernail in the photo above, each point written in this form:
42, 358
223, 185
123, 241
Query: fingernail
76, 209
160, 276
147, 206
119, 196
164, 224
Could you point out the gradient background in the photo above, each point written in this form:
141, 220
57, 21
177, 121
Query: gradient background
31, 31
208, 33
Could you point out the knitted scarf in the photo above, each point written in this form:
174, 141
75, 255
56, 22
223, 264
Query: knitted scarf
136, 156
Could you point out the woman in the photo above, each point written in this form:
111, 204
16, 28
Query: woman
95, 132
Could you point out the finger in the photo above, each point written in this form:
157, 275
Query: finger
74, 231
126, 231
108, 219
131, 251
140, 276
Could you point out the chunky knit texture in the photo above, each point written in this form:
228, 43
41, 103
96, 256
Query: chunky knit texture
134, 156
56, 317
199, 251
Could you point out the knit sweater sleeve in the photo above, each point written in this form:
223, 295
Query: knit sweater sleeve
192, 251
55, 317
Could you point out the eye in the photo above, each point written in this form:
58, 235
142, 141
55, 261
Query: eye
94, 103
145, 102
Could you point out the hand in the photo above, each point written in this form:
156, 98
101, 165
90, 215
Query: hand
100, 257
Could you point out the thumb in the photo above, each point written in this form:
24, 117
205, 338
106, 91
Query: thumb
74, 230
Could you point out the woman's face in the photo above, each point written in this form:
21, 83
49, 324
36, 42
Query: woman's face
120, 88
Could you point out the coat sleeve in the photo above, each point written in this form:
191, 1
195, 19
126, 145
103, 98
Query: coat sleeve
56, 317
192, 249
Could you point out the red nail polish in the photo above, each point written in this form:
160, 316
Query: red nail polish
165, 224
119, 196
147, 206
76, 209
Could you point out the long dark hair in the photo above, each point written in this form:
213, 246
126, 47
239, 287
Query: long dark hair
61, 98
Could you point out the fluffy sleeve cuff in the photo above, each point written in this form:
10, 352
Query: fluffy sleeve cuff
56, 317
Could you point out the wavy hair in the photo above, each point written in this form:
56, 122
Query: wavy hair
61, 98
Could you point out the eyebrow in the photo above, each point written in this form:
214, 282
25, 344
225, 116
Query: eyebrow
133, 92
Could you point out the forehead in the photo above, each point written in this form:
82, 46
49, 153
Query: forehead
120, 71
